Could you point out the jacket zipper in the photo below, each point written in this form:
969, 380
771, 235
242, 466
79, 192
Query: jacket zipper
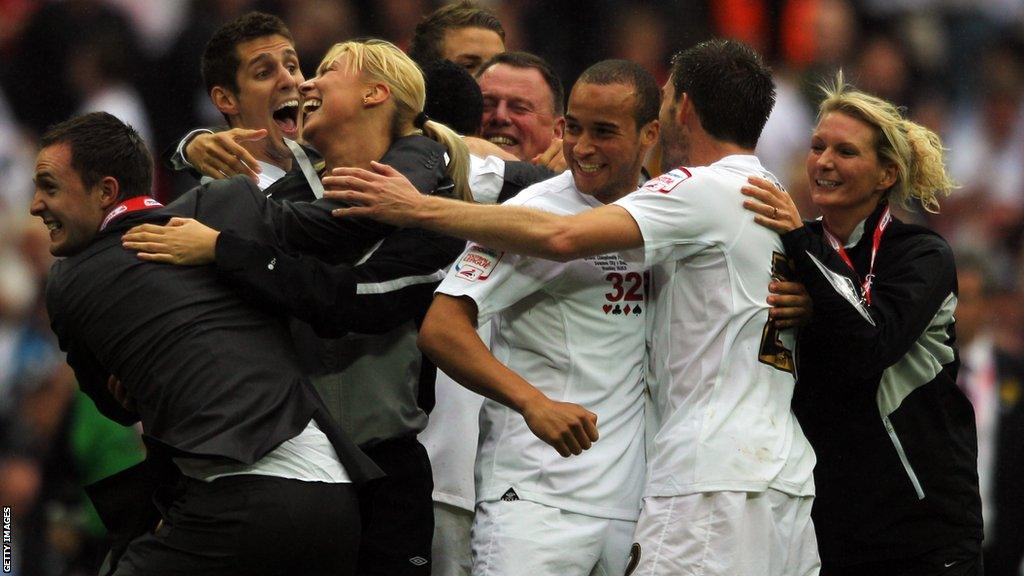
903, 457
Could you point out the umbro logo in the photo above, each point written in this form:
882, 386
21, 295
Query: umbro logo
418, 561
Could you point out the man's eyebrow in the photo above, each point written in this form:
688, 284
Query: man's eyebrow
260, 59
264, 56
267, 57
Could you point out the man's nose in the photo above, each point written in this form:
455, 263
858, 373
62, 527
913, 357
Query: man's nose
501, 113
288, 80
37, 206
583, 147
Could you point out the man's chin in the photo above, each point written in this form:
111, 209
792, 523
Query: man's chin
65, 246
289, 134
62, 250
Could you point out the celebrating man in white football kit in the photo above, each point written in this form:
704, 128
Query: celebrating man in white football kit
564, 336
730, 485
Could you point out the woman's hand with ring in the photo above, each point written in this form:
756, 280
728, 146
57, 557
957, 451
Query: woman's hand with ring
773, 208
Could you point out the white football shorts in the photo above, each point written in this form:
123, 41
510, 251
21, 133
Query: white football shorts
725, 534
523, 538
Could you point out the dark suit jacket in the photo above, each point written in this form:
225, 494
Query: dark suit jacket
211, 375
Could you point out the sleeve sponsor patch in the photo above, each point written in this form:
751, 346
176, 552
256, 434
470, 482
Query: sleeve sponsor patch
478, 263
667, 181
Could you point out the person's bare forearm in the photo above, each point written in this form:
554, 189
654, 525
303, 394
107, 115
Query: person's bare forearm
450, 339
512, 228
387, 196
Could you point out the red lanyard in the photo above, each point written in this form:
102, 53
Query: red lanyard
133, 204
883, 223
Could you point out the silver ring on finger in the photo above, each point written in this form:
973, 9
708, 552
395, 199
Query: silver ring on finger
775, 213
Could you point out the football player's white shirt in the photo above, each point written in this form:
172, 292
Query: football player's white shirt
576, 331
724, 409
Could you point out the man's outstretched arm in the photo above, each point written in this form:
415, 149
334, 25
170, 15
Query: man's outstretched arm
448, 336
387, 196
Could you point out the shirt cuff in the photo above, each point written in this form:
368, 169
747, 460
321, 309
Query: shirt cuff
179, 161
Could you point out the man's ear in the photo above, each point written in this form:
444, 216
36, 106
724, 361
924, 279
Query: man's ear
225, 101
649, 133
683, 109
109, 190
560, 127
376, 94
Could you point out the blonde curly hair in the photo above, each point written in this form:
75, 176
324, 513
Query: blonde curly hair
382, 61
913, 150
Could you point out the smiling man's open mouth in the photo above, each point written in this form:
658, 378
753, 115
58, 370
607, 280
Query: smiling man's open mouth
286, 115
502, 140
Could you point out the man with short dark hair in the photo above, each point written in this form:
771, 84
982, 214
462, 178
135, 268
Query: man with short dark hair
461, 32
251, 70
568, 333
523, 104
730, 482
266, 482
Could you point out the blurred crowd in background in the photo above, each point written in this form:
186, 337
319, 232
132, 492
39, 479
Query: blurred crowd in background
956, 65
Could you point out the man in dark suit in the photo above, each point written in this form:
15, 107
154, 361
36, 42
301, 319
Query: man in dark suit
267, 478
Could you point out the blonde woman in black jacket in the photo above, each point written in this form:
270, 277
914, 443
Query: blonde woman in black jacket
897, 482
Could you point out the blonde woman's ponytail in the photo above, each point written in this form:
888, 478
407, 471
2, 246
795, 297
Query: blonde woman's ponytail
458, 157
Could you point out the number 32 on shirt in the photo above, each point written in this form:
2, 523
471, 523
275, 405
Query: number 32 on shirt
627, 292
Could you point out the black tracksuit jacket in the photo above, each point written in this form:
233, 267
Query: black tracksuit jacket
876, 396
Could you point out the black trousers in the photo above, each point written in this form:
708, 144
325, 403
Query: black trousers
250, 526
960, 559
398, 512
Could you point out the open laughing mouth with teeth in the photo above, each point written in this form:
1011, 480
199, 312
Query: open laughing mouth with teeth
829, 184
54, 226
503, 140
286, 116
309, 106
588, 168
